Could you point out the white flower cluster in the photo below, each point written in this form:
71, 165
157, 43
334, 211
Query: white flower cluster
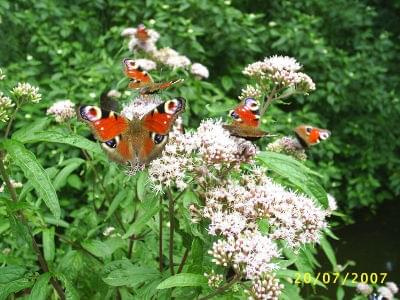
62, 110
266, 288
249, 253
288, 145
283, 71
294, 218
250, 92
199, 70
217, 147
140, 106
141, 38
145, 39
171, 58
5, 105
24, 92
14, 184
214, 280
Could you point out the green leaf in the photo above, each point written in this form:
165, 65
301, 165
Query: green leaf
227, 83
197, 256
48, 243
71, 139
297, 173
131, 276
61, 178
150, 208
142, 184
32, 169
183, 279
340, 293
40, 289
13, 287
327, 248
30, 129
123, 194
103, 249
11, 273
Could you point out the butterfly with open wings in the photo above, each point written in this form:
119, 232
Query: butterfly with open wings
141, 80
246, 120
136, 141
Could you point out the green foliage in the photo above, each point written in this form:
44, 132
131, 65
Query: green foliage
99, 228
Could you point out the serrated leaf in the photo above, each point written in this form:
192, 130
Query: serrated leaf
296, 173
40, 289
32, 169
142, 185
150, 208
11, 273
61, 178
13, 287
102, 249
30, 129
130, 276
71, 139
48, 243
123, 194
183, 279
328, 250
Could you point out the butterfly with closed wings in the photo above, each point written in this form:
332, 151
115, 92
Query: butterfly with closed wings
141, 80
136, 141
246, 120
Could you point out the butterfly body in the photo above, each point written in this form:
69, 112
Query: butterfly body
142, 34
308, 135
137, 141
141, 80
246, 120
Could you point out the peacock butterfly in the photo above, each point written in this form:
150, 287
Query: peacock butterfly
246, 120
308, 135
136, 141
140, 79
142, 34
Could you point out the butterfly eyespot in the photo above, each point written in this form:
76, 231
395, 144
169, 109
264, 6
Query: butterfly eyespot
90, 113
171, 106
308, 129
157, 138
324, 135
111, 144
235, 116
252, 104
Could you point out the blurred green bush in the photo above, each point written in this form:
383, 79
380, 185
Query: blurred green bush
350, 49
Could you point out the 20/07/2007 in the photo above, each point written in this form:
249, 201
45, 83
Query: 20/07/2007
341, 278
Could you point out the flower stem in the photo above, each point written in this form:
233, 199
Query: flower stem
183, 261
160, 242
42, 261
171, 231
268, 101
222, 288
11, 121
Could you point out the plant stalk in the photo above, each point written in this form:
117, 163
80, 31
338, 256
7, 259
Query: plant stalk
171, 231
183, 261
222, 288
8, 129
160, 242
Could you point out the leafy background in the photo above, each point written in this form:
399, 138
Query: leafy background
72, 50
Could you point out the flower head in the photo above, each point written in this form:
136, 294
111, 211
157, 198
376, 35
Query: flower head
282, 71
250, 92
5, 105
288, 145
14, 184
179, 61
265, 288
214, 280
199, 70
385, 292
146, 64
364, 289
392, 287
141, 38
24, 92
62, 110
